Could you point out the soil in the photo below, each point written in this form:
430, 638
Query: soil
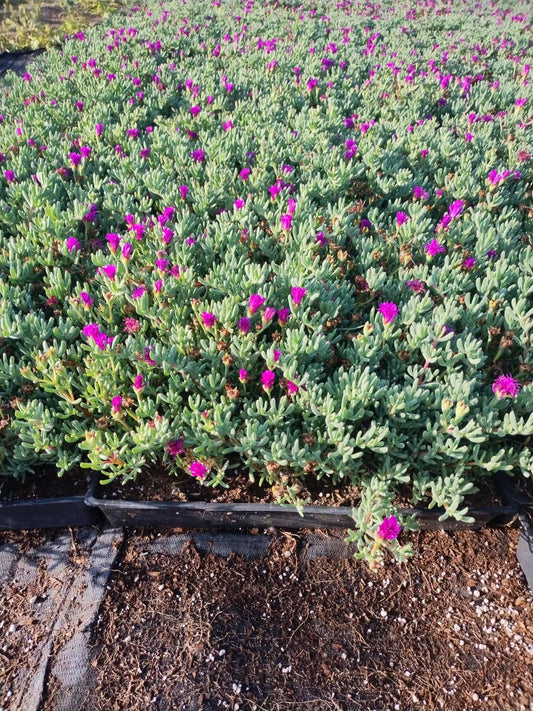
44, 484
451, 629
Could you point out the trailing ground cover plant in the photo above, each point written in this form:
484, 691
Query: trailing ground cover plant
294, 239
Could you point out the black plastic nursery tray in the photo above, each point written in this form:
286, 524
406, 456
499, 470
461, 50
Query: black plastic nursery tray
236, 515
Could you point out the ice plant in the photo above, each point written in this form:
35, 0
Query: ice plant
297, 294
209, 319
389, 529
434, 247
73, 244
268, 378
388, 310
254, 303
138, 383
116, 404
86, 299
198, 470
506, 386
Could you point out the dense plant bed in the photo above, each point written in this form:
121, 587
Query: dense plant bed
293, 239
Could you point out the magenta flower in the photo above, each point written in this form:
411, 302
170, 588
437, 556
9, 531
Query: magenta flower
269, 313
469, 263
208, 318
389, 311
506, 386
99, 129
277, 355
283, 316
86, 299
138, 292
243, 324
321, 240
351, 149
227, 125
298, 293
267, 379
175, 447
291, 206
92, 215
286, 222
184, 191
73, 244
116, 404
292, 388
456, 208
110, 271
419, 193
198, 470
75, 159
158, 285
389, 529
401, 218
245, 173
113, 240
10, 176
198, 155
243, 375
434, 247
162, 264
254, 303
139, 384
239, 203
79, 105
195, 110
127, 248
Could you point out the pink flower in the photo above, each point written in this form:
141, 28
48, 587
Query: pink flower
175, 447
184, 191
86, 299
195, 110
138, 292
505, 386
292, 388
243, 375
208, 318
469, 263
73, 244
277, 355
198, 155
269, 313
254, 303
245, 173
131, 326
401, 218
291, 206
139, 384
158, 285
283, 316
198, 470
389, 311
162, 264
239, 203
456, 208
434, 247
286, 222
389, 529
419, 193
127, 248
298, 293
110, 271
243, 324
227, 125
113, 241
116, 404
267, 379
417, 286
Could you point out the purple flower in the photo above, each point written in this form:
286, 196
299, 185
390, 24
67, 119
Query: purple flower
351, 149
208, 318
10, 176
243, 375
92, 215
158, 285
254, 303
389, 529
139, 384
198, 469
320, 239
267, 379
127, 249
401, 218
286, 221
184, 191
434, 247
162, 264
311, 84
116, 404
492, 254
239, 203
79, 105
195, 110
168, 235
227, 125
298, 293
389, 311
456, 208
198, 155
110, 271
277, 355
469, 263
243, 324
292, 388
114, 240
244, 174
283, 316
75, 159
166, 215
73, 244
175, 447
417, 286
138, 292
506, 386
269, 313
99, 129
86, 299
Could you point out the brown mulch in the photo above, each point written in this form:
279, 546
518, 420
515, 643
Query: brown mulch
452, 629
